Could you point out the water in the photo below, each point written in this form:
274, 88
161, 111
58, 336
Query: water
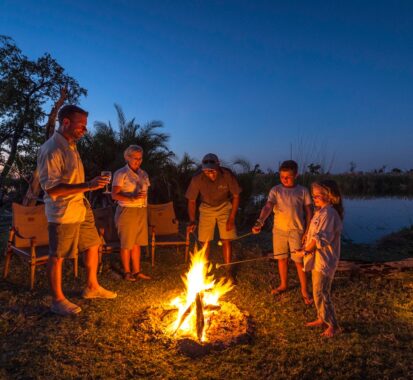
367, 220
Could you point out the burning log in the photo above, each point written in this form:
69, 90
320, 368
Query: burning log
200, 320
183, 317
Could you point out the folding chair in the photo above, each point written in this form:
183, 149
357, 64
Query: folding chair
105, 224
29, 239
164, 229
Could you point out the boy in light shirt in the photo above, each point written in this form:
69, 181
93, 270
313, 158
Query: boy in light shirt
292, 207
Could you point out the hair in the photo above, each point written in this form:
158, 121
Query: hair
131, 149
333, 192
68, 110
289, 165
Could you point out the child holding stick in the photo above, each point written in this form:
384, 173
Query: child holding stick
292, 207
322, 251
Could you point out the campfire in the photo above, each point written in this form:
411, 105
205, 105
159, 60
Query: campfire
198, 320
200, 300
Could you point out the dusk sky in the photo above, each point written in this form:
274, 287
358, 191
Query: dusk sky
240, 78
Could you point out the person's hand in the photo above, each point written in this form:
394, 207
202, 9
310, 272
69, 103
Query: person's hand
230, 224
138, 196
256, 228
98, 182
300, 252
191, 227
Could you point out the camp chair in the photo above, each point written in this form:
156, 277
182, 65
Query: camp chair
164, 228
105, 224
29, 239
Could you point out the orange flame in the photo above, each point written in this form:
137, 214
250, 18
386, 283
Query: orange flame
198, 280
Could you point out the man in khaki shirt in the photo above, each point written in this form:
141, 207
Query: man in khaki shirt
218, 189
71, 223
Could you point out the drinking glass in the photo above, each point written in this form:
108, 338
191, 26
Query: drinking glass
109, 175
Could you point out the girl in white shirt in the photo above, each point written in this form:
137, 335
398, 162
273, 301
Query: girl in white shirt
322, 251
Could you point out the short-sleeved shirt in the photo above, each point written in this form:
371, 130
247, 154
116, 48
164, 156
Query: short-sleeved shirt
213, 193
289, 203
132, 182
325, 228
59, 162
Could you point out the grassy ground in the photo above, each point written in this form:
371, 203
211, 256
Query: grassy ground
376, 313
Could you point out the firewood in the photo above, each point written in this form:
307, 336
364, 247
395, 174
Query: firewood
200, 321
183, 317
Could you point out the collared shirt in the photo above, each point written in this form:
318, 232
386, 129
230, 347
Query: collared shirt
325, 228
289, 203
132, 182
213, 193
59, 162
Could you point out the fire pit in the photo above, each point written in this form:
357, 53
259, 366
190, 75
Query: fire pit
197, 321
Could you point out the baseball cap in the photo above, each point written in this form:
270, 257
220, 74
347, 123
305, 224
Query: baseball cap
210, 161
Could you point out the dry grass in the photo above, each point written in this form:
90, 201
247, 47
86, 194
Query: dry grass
103, 342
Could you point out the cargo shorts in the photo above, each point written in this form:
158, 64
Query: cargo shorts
209, 216
67, 240
285, 243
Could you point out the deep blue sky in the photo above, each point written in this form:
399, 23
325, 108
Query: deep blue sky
240, 78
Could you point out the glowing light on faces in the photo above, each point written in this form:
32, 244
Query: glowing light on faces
287, 178
134, 160
211, 174
320, 196
75, 126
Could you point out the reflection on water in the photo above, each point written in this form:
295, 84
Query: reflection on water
367, 220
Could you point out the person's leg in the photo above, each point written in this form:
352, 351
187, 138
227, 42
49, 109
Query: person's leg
302, 276
295, 243
63, 239
283, 272
226, 251
328, 314
318, 299
280, 248
91, 264
136, 263
125, 258
54, 274
206, 227
89, 242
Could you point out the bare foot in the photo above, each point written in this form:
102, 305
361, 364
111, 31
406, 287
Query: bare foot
142, 276
316, 323
330, 332
279, 290
308, 300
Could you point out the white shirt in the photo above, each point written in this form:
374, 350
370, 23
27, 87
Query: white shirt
130, 183
59, 162
289, 205
325, 228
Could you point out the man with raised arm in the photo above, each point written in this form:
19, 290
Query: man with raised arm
71, 224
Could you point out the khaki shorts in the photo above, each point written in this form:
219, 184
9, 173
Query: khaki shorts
67, 240
211, 215
132, 226
284, 242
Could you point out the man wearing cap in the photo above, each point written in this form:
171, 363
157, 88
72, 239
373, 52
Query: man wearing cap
219, 193
71, 223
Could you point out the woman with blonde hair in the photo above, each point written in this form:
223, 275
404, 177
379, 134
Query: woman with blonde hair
322, 251
130, 190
